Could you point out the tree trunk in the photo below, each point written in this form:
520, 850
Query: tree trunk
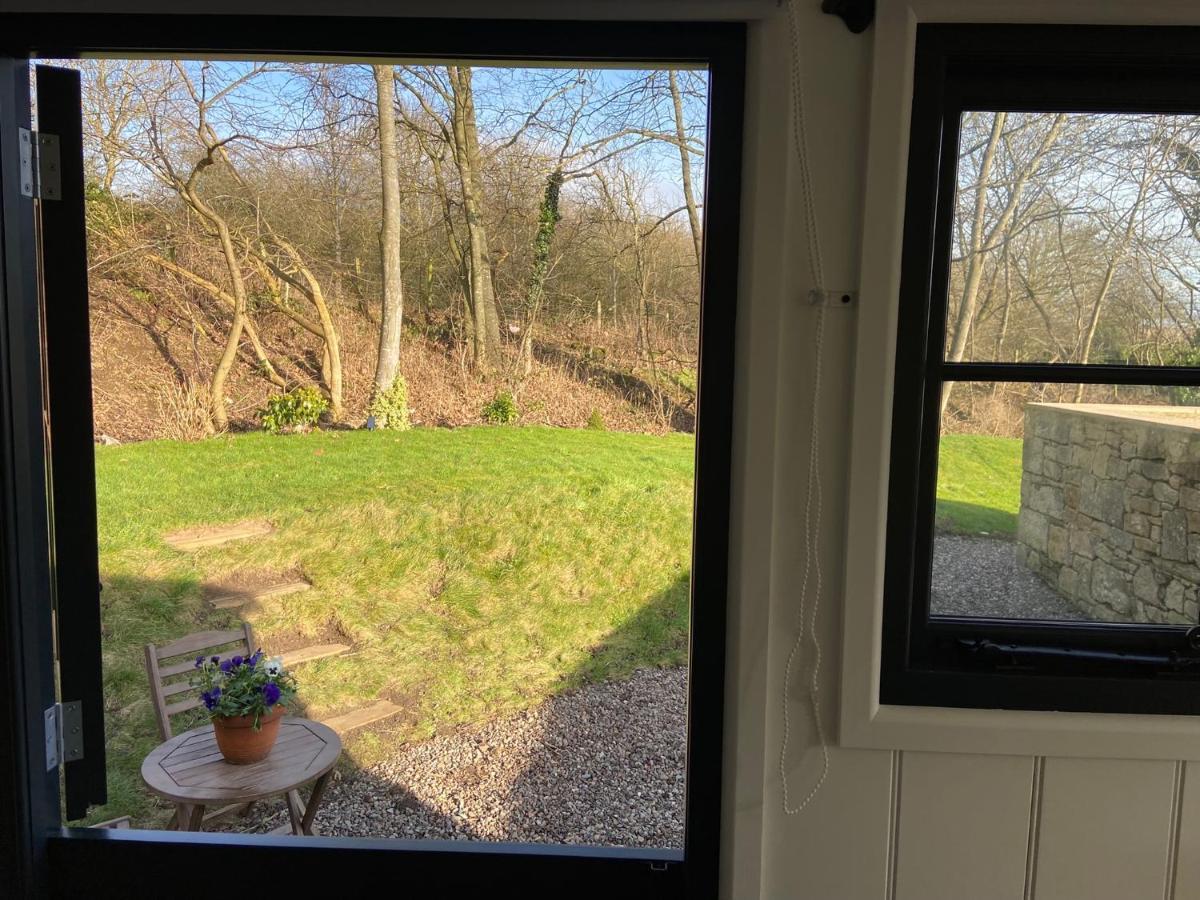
221, 374
981, 244
310, 287
391, 318
1110, 272
260, 354
332, 358
486, 329
685, 162
548, 217
970, 292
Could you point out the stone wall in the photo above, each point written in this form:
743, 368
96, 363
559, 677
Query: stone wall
1110, 508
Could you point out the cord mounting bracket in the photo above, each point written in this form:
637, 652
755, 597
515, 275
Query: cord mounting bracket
833, 299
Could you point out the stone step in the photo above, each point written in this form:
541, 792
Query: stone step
213, 535
241, 598
357, 718
309, 654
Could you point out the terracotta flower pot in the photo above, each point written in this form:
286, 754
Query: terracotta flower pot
239, 743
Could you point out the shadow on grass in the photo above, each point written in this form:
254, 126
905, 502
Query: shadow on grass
136, 612
602, 768
958, 517
627, 789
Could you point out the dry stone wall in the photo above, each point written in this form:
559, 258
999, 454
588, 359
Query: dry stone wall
1110, 508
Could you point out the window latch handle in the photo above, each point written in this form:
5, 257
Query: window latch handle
1001, 654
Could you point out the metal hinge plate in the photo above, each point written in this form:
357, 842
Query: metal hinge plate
49, 168
41, 165
64, 733
27, 182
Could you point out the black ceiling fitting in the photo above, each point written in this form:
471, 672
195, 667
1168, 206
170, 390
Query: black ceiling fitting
857, 14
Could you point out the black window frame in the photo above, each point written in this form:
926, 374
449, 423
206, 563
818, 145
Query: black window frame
956, 661
57, 861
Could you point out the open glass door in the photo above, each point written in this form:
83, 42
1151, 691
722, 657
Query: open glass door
55, 153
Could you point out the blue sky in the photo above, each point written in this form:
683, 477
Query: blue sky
274, 102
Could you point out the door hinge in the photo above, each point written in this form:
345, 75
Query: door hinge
64, 733
41, 165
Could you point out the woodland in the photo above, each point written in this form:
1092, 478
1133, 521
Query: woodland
1075, 239
532, 235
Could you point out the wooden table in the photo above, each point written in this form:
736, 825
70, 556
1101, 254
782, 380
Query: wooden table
190, 771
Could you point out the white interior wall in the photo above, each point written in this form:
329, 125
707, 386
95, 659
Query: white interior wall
891, 823
887, 823
837, 847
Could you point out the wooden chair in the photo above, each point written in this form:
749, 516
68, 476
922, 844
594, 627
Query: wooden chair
170, 668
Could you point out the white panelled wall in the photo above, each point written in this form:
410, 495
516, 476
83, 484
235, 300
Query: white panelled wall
887, 824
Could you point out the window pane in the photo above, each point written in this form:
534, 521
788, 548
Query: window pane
1076, 239
1049, 508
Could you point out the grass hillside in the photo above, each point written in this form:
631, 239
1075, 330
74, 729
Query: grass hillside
979, 484
474, 571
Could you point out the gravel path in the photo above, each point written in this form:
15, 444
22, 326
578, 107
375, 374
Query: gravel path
602, 765
979, 576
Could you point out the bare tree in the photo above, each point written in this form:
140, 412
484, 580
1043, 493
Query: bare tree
499, 217
392, 314
685, 162
983, 237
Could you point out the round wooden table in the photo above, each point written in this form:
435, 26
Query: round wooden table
190, 771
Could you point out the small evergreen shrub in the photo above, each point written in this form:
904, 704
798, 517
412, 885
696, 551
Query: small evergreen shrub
297, 410
1183, 395
596, 420
390, 407
502, 410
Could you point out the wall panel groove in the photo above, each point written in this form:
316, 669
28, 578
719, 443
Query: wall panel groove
1186, 864
894, 824
1173, 834
1035, 823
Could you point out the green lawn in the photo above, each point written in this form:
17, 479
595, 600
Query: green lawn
475, 571
979, 484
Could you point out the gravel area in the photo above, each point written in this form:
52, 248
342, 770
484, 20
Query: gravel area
980, 576
602, 765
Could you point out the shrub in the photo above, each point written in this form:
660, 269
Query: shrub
390, 407
1183, 395
596, 421
296, 410
502, 410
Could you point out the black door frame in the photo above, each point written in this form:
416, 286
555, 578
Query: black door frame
28, 792
115, 863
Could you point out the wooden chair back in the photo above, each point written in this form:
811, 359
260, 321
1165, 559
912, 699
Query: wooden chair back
171, 666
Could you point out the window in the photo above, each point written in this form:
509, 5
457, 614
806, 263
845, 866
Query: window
70, 861
1043, 542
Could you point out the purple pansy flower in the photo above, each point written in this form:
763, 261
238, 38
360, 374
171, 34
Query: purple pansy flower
210, 698
215, 660
227, 666
271, 693
199, 661
237, 661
